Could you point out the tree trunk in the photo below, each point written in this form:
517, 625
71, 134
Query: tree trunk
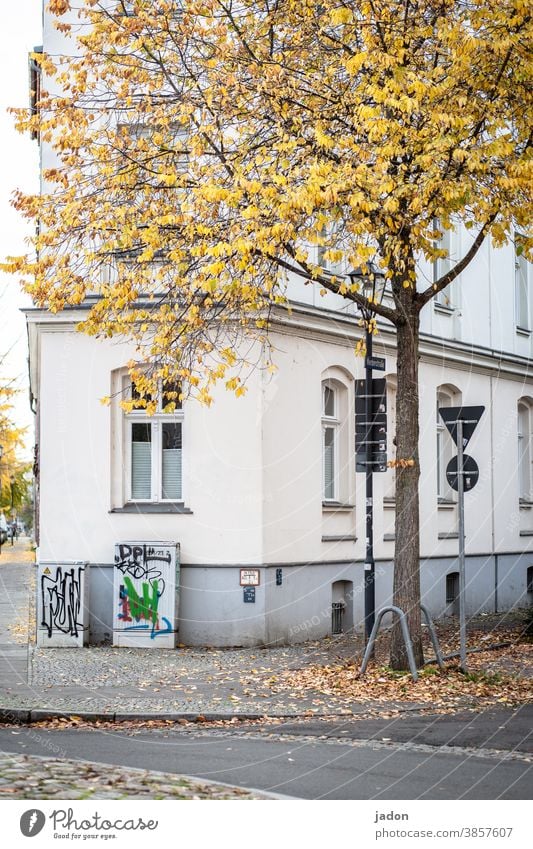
406, 592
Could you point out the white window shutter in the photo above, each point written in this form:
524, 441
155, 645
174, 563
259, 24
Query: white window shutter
141, 462
329, 463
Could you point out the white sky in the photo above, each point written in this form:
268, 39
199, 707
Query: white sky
19, 34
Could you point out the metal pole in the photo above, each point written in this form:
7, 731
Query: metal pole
370, 595
462, 577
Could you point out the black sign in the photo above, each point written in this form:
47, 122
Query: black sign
372, 432
469, 416
248, 595
378, 395
279, 577
470, 473
375, 362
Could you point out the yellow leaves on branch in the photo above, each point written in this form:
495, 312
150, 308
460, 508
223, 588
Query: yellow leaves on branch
187, 191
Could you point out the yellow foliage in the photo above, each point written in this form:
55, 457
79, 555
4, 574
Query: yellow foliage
345, 125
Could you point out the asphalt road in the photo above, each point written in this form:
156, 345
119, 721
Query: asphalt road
465, 757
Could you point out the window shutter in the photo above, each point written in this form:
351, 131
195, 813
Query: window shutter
171, 461
141, 461
329, 460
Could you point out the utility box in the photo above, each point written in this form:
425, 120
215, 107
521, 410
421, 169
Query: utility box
146, 594
62, 604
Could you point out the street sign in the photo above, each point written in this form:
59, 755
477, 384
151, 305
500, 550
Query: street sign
375, 362
470, 473
469, 416
378, 396
372, 431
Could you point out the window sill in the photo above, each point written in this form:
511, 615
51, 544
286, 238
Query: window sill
450, 535
443, 308
523, 331
339, 538
526, 533
153, 507
446, 504
525, 504
389, 504
336, 507
389, 537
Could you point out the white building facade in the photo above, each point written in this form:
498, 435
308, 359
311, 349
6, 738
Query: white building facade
267, 483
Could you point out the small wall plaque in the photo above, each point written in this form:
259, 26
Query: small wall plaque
250, 577
248, 595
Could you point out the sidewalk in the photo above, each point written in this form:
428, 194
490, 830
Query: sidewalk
314, 678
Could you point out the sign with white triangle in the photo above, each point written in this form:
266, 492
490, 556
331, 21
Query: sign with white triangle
469, 416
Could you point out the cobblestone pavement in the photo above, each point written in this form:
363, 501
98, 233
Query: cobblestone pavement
30, 777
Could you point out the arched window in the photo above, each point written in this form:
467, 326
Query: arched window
447, 396
330, 441
525, 455
335, 439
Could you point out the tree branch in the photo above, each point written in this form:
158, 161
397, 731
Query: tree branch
424, 297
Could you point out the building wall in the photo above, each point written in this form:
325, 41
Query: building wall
253, 484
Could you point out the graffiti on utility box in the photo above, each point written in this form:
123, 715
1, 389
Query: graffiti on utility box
142, 586
61, 602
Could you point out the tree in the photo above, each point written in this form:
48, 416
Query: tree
201, 145
13, 485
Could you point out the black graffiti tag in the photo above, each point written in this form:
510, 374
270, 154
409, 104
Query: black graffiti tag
61, 600
142, 562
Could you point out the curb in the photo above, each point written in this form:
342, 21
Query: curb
29, 716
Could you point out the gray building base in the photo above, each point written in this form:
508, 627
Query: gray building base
293, 602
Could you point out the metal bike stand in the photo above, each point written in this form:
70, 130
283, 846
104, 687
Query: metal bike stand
406, 639
433, 635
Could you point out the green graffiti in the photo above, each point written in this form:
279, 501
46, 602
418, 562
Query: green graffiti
145, 606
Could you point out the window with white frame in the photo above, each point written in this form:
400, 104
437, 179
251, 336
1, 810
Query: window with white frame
331, 236
525, 454
446, 397
153, 445
522, 285
446, 242
330, 442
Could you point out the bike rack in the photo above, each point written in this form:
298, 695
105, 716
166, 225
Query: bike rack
433, 635
406, 638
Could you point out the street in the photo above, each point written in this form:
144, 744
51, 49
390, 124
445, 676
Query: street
424, 757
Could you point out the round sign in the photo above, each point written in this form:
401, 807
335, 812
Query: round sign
470, 473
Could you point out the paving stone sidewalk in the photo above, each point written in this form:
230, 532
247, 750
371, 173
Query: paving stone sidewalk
31, 777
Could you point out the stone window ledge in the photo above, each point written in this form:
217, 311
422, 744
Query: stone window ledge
153, 507
336, 507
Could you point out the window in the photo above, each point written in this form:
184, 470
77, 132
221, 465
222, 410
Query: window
525, 455
330, 441
522, 282
331, 236
441, 266
447, 396
529, 580
452, 587
154, 451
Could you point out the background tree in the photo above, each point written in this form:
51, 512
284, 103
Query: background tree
13, 483
201, 145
